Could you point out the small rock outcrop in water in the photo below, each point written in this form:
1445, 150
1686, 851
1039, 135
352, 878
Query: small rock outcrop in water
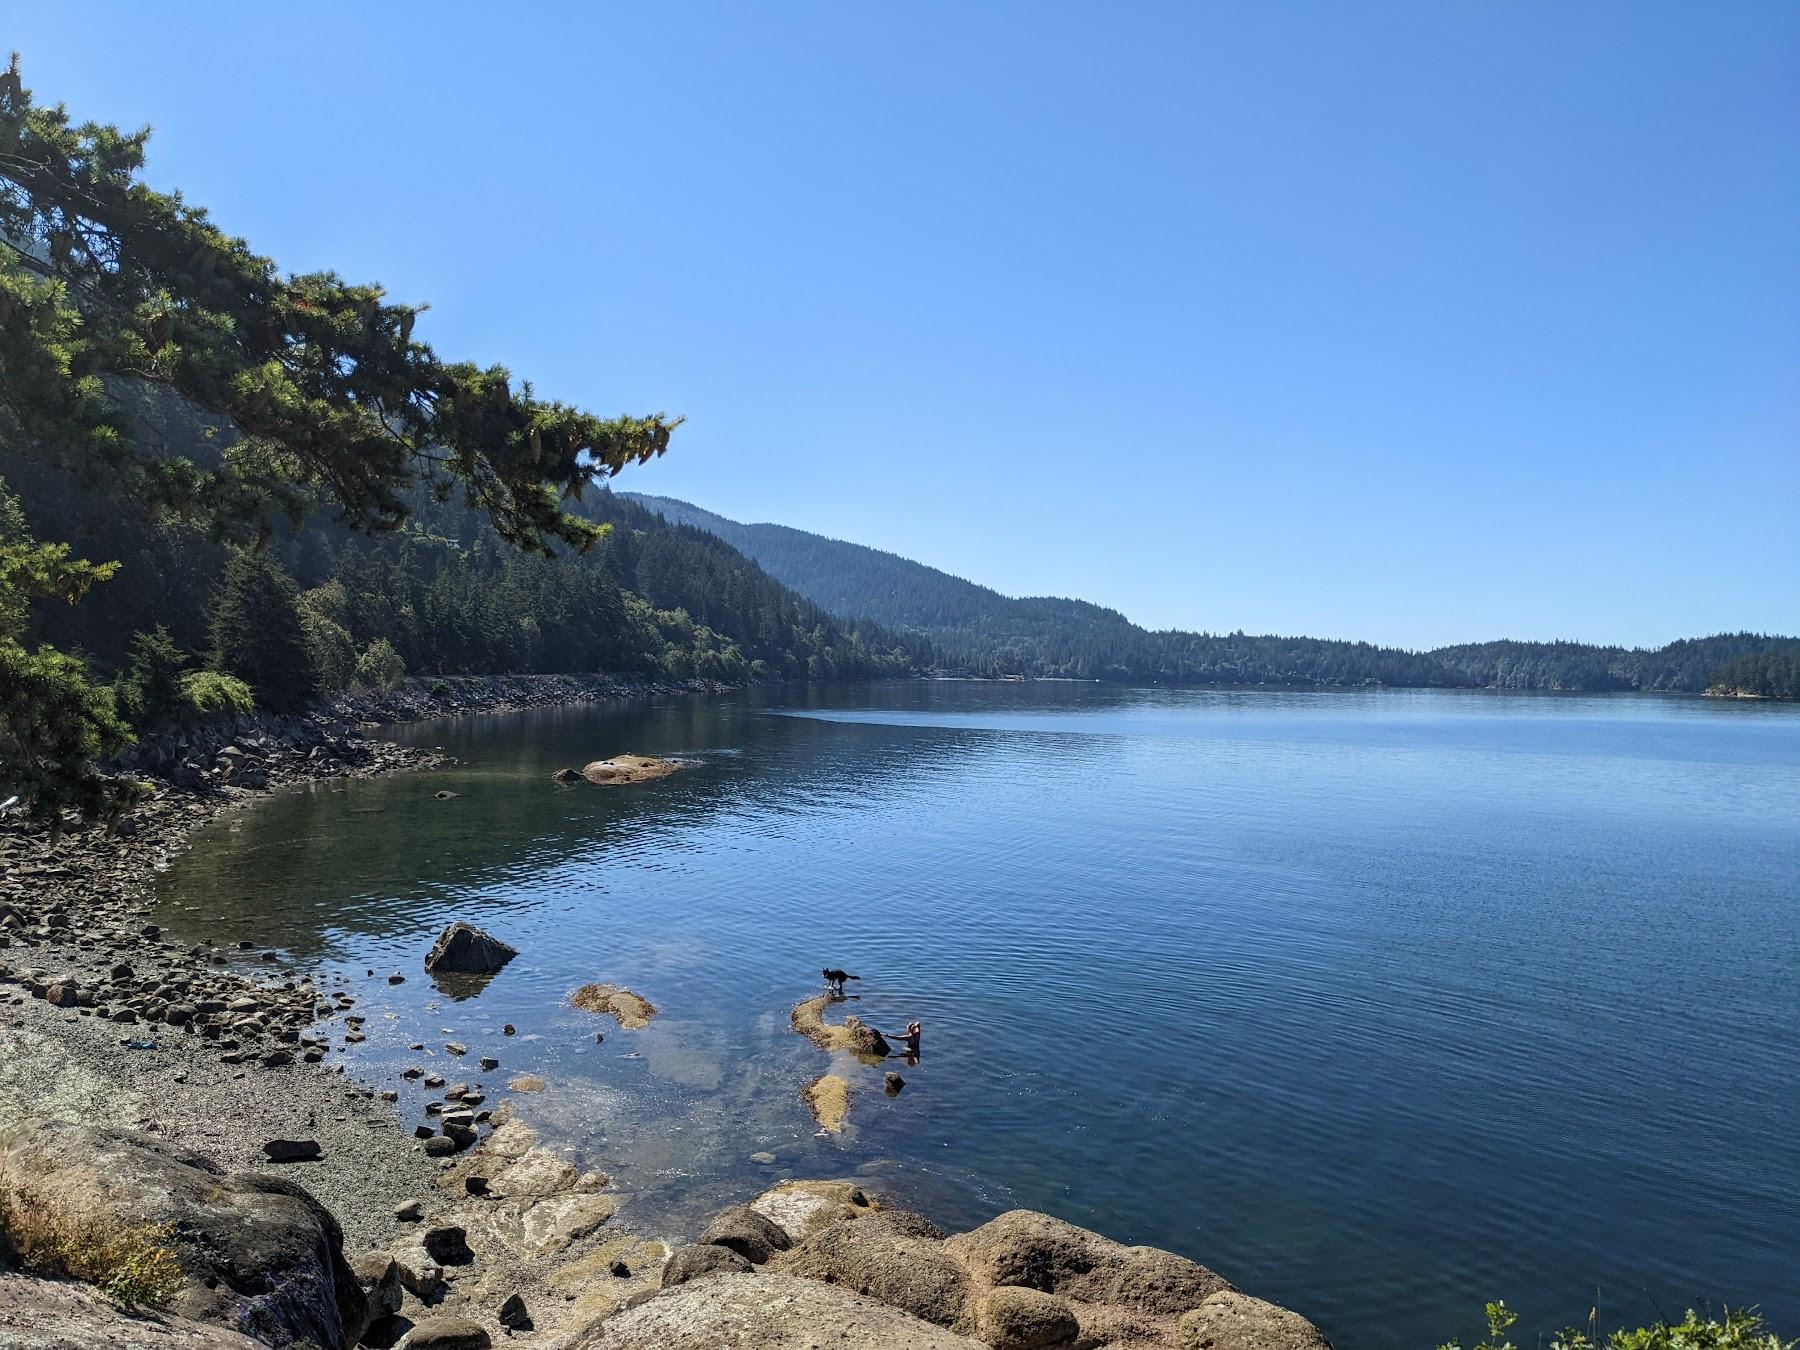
633, 1011
257, 1254
629, 769
828, 1098
463, 949
864, 1042
567, 777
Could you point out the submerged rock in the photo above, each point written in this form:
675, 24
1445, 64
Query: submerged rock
463, 949
828, 1098
633, 1011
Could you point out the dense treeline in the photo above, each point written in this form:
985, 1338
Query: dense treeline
1688, 666
448, 595
979, 631
1766, 674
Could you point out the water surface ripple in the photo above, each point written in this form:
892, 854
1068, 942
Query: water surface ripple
1381, 1003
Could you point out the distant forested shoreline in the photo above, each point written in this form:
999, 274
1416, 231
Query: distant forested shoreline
978, 631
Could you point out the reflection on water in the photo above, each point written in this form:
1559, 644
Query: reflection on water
1383, 1003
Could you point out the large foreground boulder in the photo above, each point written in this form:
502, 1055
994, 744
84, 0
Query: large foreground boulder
886, 1256
753, 1236
57, 1315
765, 1312
463, 949
1229, 1320
1036, 1251
258, 1255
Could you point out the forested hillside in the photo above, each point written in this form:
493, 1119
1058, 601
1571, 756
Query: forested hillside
980, 631
449, 596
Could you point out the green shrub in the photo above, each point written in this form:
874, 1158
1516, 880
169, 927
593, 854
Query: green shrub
439, 689
380, 667
1735, 1329
211, 693
328, 644
132, 1265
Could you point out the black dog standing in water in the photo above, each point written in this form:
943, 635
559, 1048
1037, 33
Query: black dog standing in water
835, 979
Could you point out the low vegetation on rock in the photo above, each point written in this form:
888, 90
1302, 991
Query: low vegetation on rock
132, 1264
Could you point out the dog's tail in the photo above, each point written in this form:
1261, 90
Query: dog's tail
852, 977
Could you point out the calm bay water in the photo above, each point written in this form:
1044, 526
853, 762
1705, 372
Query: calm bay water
1382, 1004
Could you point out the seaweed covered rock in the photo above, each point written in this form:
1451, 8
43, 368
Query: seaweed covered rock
629, 769
463, 949
631, 1011
828, 1098
851, 1034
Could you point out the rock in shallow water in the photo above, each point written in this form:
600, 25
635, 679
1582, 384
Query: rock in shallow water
463, 949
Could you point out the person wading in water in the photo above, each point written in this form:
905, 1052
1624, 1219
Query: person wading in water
908, 1038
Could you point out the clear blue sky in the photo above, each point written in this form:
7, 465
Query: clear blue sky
1414, 322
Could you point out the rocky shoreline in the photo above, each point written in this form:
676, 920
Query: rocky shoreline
180, 1074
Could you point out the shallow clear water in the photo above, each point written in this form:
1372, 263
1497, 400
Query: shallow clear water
1382, 1004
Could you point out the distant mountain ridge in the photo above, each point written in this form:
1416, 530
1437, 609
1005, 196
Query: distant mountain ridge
977, 630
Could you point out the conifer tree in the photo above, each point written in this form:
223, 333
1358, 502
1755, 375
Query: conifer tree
257, 634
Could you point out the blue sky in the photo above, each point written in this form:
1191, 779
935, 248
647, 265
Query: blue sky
1412, 322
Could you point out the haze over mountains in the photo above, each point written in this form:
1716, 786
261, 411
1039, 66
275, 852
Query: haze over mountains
979, 631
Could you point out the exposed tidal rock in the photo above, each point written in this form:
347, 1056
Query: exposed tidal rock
463, 949
632, 1011
629, 769
765, 1312
861, 1040
828, 1098
257, 1254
